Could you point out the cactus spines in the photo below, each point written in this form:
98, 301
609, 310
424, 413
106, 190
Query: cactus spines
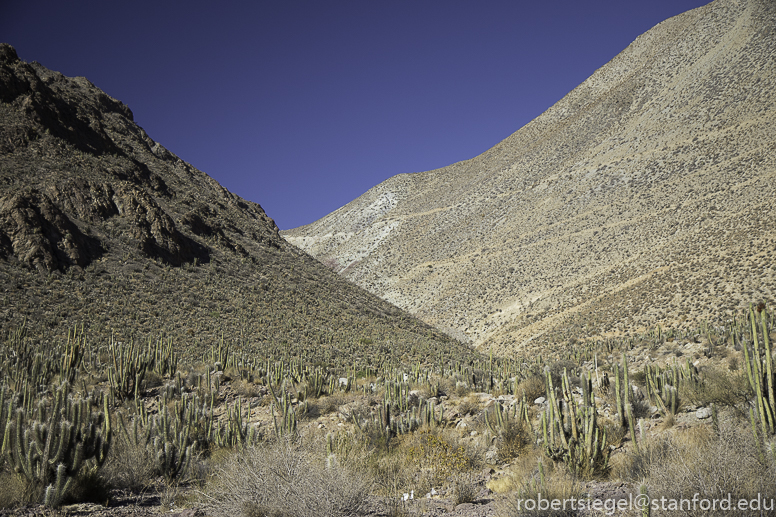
172, 446
56, 491
52, 444
286, 426
618, 396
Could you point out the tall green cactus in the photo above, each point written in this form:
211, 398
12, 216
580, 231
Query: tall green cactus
171, 444
570, 432
50, 445
758, 365
286, 425
128, 368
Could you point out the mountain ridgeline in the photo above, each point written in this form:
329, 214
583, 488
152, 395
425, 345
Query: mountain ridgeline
104, 228
644, 197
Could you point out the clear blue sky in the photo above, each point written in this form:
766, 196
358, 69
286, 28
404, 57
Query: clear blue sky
301, 106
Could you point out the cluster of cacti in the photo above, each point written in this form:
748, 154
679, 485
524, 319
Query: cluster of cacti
624, 398
164, 358
171, 443
23, 362
758, 364
237, 431
172, 434
502, 418
380, 425
127, 371
570, 430
663, 384
313, 384
429, 416
72, 356
51, 443
185, 422
285, 422
398, 394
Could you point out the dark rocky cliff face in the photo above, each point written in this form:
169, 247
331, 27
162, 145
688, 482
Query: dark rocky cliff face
74, 168
103, 227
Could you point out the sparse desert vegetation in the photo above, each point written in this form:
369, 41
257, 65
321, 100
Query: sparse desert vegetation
229, 434
164, 349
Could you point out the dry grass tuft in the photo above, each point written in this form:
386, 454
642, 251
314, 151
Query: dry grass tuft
464, 489
15, 490
532, 388
129, 464
514, 439
543, 482
717, 387
696, 461
284, 479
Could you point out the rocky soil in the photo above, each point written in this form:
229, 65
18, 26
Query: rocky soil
643, 197
181, 500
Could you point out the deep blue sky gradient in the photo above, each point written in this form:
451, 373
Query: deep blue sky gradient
302, 106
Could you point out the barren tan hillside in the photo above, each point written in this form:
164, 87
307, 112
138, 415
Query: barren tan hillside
644, 196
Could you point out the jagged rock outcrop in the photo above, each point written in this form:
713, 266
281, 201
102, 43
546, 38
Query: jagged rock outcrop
73, 157
644, 196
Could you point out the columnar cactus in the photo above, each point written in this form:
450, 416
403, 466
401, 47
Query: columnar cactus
171, 443
571, 433
760, 372
127, 371
50, 445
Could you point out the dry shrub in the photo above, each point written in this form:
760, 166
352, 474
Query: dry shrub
245, 389
615, 434
520, 469
151, 380
469, 405
128, 465
462, 389
425, 459
284, 479
16, 490
532, 388
362, 451
446, 386
513, 439
717, 387
464, 489
439, 454
435, 457
698, 461
668, 422
395, 474
333, 402
543, 483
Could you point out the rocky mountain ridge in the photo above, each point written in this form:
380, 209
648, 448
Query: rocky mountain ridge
644, 197
103, 227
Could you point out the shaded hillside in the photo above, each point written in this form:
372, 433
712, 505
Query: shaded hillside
645, 196
102, 226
